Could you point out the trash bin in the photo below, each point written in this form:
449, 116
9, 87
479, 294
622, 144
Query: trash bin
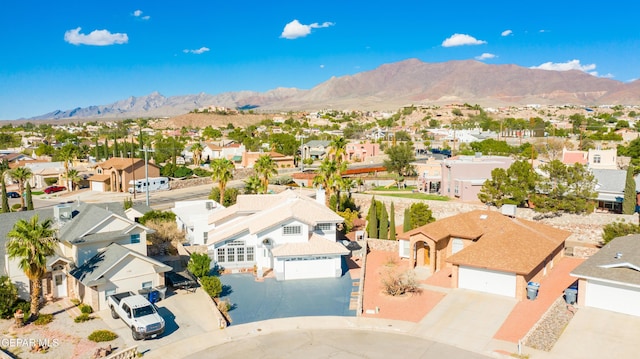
162, 291
153, 296
532, 290
570, 295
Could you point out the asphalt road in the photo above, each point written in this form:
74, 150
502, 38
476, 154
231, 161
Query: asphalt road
337, 343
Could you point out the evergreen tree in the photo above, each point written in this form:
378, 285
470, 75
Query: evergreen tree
5, 199
392, 223
28, 198
384, 223
406, 224
629, 203
372, 219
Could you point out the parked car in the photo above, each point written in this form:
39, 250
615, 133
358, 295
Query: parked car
13, 195
138, 313
54, 189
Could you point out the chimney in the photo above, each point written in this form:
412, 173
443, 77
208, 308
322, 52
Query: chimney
320, 195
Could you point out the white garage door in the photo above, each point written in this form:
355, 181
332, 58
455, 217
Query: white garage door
488, 281
304, 268
97, 186
613, 297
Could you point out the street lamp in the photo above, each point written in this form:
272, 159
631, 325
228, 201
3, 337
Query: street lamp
146, 169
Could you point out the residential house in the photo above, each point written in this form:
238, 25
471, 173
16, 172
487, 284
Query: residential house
610, 279
360, 152
191, 218
44, 171
463, 176
602, 159
288, 233
116, 173
231, 151
99, 252
486, 250
570, 157
429, 175
610, 188
315, 149
249, 159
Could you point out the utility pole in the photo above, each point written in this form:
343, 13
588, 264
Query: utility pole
146, 169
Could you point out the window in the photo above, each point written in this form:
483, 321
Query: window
324, 226
205, 236
596, 159
240, 255
147, 285
221, 255
405, 249
250, 254
231, 255
291, 230
135, 238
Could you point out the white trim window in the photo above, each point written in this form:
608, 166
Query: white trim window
325, 227
291, 230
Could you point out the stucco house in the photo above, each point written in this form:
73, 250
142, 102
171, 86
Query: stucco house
249, 159
99, 252
610, 279
429, 175
191, 218
463, 176
486, 250
288, 233
360, 152
315, 149
114, 174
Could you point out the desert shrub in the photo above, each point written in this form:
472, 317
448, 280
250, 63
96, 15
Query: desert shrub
75, 301
8, 297
212, 285
86, 309
102, 336
43, 319
24, 306
395, 283
224, 306
201, 172
199, 264
160, 216
16, 207
84, 317
165, 238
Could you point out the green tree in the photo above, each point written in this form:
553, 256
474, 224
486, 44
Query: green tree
67, 154
4, 168
565, 188
400, 158
27, 197
8, 296
372, 220
420, 214
383, 231
211, 285
328, 177
252, 185
197, 149
73, 178
31, 242
392, 222
630, 195
406, 222
156, 215
222, 170
199, 264
211, 133
618, 229
511, 186
22, 175
265, 168
230, 196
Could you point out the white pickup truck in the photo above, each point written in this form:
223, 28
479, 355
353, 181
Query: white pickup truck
138, 313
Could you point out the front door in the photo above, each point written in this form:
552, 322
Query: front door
427, 254
60, 282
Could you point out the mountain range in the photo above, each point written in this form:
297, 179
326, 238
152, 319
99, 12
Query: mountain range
389, 87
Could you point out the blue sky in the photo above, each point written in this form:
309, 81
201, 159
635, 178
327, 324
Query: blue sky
67, 54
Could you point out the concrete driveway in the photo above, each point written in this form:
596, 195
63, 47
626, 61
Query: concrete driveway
466, 319
186, 315
597, 333
254, 301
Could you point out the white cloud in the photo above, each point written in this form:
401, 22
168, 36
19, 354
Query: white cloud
566, 66
196, 51
138, 14
506, 33
322, 66
461, 39
485, 56
95, 38
295, 29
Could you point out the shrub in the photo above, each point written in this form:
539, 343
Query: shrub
86, 309
164, 216
75, 301
16, 207
211, 285
199, 264
8, 297
102, 336
395, 283
84, 317
43, 319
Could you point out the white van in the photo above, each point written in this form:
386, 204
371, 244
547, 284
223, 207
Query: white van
155, 184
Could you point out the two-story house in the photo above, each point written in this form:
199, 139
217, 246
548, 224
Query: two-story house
289, 233
99, 253
463, 176
115, 174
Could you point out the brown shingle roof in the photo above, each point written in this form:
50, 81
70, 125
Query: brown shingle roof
504, 244
120, 163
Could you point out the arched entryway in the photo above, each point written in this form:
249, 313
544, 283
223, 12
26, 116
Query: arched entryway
422, 255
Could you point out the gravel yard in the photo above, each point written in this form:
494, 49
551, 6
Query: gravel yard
549, 329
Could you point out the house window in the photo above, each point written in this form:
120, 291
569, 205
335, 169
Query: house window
135, 238
231, 254
147, 285
221, 255
205, 237
324, 227
99, 171
596, 159
109, 292
250, 254
240, 254
291, 230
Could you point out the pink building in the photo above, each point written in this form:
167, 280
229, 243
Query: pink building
359, 152
463, 176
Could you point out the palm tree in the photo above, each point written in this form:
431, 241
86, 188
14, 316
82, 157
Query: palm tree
252, 185
327, 177
67, 153
21, 174
338, 149
31, 242
74, 177
222, 170
197, 149
265, 167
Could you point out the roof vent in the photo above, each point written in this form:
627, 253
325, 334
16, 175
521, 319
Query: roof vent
618, 255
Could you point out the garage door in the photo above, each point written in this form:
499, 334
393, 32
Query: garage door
97, 186
303, 268
488, 281
613, 297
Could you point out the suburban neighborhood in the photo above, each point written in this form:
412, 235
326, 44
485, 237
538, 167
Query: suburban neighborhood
500, 232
